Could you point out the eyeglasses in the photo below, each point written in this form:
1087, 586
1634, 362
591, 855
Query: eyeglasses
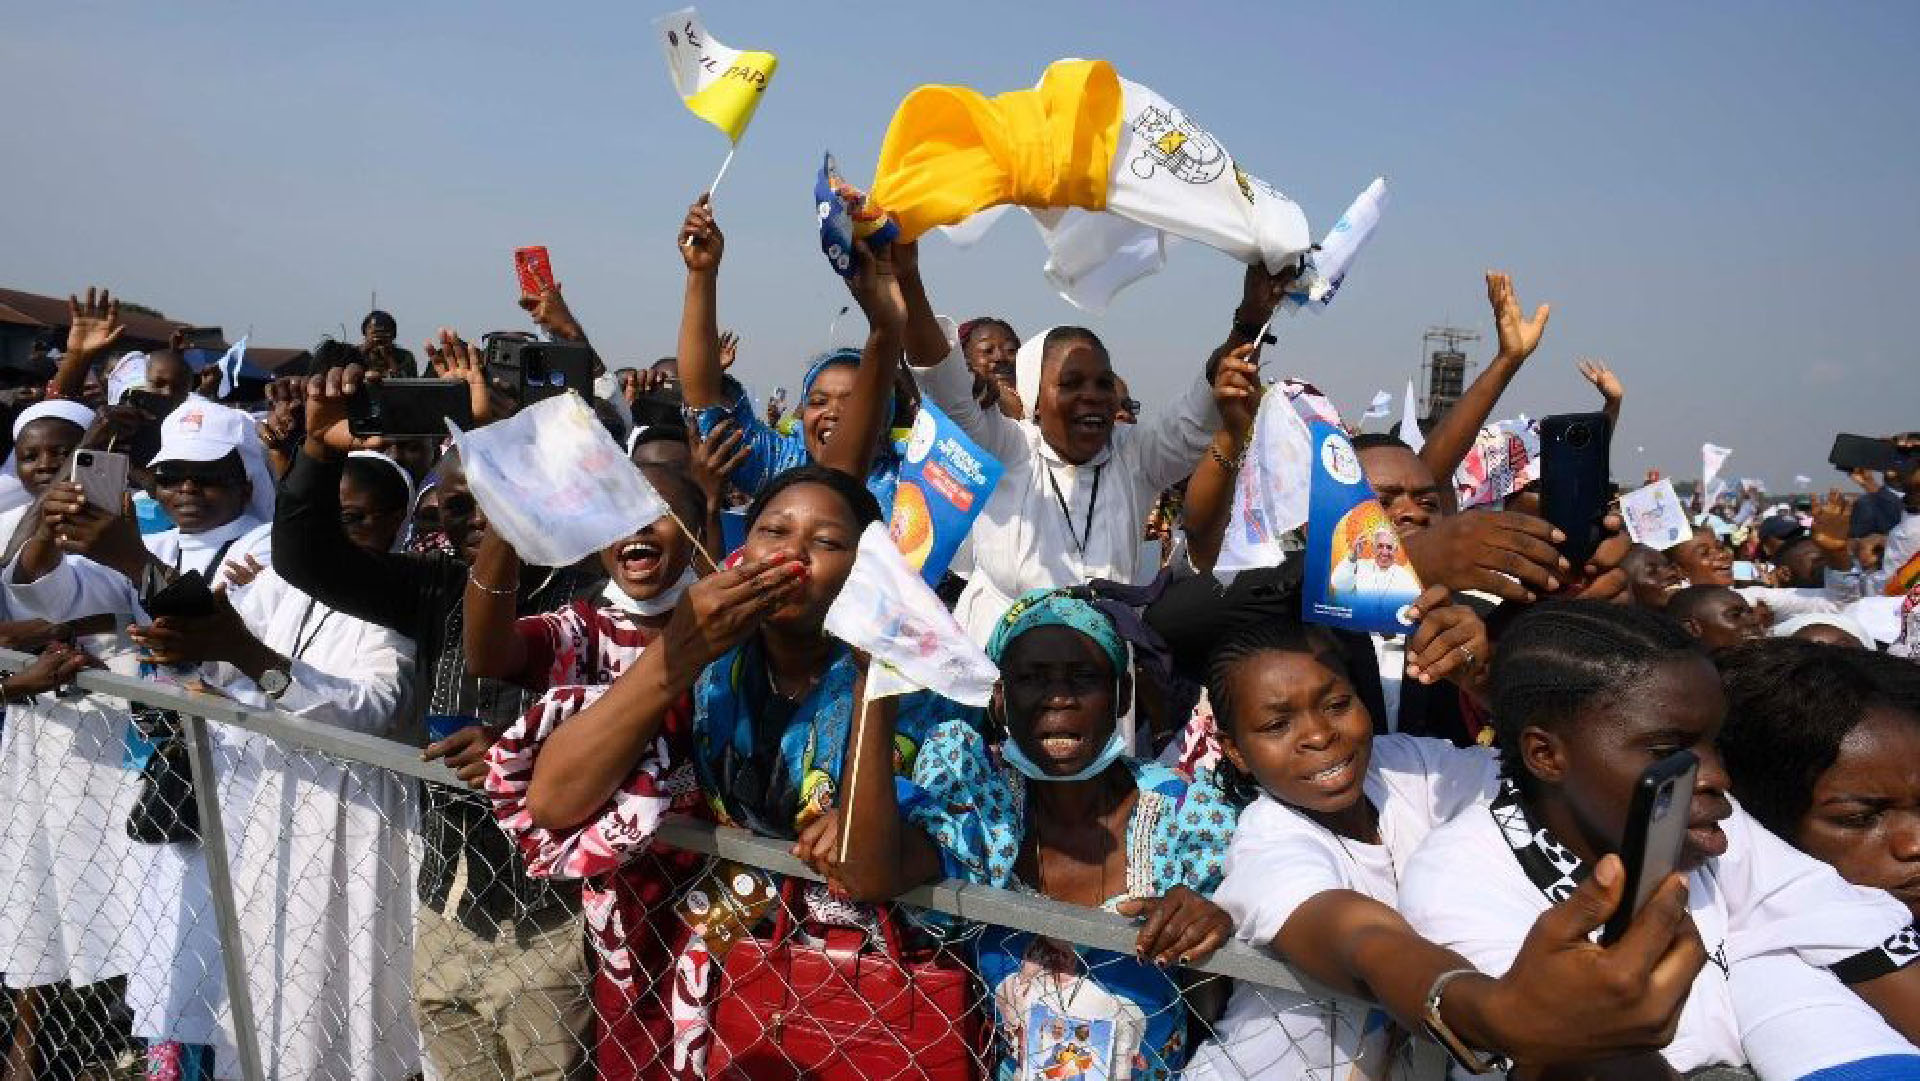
168, 477
458, 505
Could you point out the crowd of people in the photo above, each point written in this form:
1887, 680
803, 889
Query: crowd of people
1428, 825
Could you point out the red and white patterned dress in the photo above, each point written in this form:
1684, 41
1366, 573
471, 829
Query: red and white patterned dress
629, 883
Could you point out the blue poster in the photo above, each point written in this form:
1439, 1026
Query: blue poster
1357, 575
945, 479
841, 224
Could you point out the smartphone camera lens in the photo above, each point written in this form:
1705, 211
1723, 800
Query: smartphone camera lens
86, 459
1664, 801
1578, 436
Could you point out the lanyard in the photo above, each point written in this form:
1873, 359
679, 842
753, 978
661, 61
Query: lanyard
1080, 541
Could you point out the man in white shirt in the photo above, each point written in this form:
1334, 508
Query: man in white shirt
1357, 580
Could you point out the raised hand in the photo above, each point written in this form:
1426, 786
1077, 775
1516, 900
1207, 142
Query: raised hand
729, 349
1603, 380
1261, 292
1236, 389
701, 242
550, 311
326, 397
94, 324
453, 357
877, 291
1832, 521
715, 457
1519, 336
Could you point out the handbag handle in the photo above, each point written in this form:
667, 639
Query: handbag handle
785, 923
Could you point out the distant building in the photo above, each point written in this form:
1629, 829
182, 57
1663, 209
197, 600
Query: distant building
29, 317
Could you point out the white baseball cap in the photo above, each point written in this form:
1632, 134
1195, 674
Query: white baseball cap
201, 431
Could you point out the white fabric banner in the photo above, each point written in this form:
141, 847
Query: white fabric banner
1711, 459
1410, 422
553, 482
1271, 493
889, 611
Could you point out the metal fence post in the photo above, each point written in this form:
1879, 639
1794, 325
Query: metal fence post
233, 953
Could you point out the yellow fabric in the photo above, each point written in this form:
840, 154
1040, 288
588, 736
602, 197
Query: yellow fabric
951, 152
729, 101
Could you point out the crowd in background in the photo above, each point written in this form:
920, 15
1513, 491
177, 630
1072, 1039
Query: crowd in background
1427, 824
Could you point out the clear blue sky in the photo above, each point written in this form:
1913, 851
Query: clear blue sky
1718, 198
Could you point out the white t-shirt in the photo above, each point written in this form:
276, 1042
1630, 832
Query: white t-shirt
1466, 889
1279, 859
1796, 1019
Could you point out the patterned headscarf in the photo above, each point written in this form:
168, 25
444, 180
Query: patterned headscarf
1057, 608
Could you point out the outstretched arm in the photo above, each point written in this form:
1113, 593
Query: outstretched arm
852, 448
701, 246
1209, 502
1612, 392
1453, 435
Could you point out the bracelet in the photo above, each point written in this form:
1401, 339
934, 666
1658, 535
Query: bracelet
485, 588
1231, 465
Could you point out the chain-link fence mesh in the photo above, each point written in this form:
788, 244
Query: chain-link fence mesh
372, 949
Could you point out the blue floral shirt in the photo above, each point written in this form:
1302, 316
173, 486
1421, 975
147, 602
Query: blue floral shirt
1056, 1003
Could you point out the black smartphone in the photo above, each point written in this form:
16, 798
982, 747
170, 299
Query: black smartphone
1656, 830
535, 370
1851, 452
1574, 462
410, 407
186, 597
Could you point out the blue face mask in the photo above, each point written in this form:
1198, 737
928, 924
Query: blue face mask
1011, 753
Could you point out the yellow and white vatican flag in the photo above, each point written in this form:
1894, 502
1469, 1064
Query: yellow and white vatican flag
719, 85
1107, 167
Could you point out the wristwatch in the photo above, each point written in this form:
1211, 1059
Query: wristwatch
1463, 1056
274, 682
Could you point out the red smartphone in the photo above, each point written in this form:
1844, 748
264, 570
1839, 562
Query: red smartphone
534, 269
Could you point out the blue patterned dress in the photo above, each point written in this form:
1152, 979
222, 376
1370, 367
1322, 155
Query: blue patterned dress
1056, 1003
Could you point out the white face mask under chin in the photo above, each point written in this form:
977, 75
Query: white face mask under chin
652, 606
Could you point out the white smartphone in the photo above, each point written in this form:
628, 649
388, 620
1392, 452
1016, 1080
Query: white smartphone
102, 474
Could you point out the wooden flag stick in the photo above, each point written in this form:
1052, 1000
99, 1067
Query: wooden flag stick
693, 539
854, 742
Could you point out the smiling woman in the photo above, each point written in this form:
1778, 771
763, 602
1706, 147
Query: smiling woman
1077, 489
1065, 814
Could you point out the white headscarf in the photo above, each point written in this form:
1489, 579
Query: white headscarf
12, 492
1786, 628
405, 532
1026, 372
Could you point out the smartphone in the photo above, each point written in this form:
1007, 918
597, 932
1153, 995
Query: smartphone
1574, 450
410, 407
1744, 570
103, 476
537, 370
534, 270
186, 597
1656, 830
1851, 452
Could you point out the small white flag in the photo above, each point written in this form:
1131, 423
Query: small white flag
1410, 422
1711, 459
1801, 480
1270, 496
129, 373
553, 482
888, 610
1327, 267
1381, 405
229, 366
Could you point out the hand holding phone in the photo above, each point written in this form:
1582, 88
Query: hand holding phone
102, 475
1574, 453
1656, 831
534, 270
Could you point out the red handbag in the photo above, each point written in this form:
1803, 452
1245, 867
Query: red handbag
790, 1011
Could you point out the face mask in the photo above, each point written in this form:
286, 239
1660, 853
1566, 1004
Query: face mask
652, 606
1011, 753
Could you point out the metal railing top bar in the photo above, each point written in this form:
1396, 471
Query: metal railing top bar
980, 904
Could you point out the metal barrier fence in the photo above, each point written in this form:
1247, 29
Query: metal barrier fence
290, 940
